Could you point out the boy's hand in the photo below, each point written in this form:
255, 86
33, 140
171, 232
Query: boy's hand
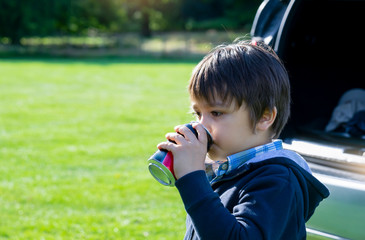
189, 152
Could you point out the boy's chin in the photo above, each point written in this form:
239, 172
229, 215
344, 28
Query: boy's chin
214, 156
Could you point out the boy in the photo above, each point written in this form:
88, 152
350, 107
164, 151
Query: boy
240, 93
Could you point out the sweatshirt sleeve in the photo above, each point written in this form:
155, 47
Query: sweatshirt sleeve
264, 209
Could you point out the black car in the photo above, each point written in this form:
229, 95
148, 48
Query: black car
321, 43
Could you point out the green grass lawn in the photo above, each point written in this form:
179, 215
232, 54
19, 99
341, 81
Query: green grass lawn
74, 139
75, 136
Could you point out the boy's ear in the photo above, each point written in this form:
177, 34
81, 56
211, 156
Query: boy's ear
267, 119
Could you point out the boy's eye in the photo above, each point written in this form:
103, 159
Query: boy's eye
196, 114
216, 114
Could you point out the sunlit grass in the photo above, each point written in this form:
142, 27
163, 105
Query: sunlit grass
74, 140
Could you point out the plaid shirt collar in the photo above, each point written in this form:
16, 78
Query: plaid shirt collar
236, 160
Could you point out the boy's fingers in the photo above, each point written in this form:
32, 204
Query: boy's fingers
184, 134
184, 131
201, 132
175, 137
169, 146
176, 128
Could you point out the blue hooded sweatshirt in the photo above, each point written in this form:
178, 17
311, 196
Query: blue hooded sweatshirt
269, 197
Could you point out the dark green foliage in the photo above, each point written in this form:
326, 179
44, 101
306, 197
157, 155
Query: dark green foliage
24, 18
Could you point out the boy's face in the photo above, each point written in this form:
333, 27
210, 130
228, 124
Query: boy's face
229, 126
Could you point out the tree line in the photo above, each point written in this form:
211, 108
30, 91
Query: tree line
24, 18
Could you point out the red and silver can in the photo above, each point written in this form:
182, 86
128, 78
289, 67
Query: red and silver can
161, 163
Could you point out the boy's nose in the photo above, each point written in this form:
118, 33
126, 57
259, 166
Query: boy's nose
204, 120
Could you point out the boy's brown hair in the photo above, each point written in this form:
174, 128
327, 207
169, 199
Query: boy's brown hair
245, 73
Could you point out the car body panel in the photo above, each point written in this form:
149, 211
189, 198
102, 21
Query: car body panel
339, 214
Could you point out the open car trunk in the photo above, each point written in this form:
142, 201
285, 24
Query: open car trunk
322, 46
320, 43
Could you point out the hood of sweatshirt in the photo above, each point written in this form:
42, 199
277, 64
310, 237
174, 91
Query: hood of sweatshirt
313, 190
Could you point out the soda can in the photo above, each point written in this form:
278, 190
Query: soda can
161, 163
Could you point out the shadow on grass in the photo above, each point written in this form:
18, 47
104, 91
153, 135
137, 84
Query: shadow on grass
102, 60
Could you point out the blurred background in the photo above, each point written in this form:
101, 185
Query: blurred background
121, 27
88, 88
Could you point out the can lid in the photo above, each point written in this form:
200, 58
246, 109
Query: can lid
161, 173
